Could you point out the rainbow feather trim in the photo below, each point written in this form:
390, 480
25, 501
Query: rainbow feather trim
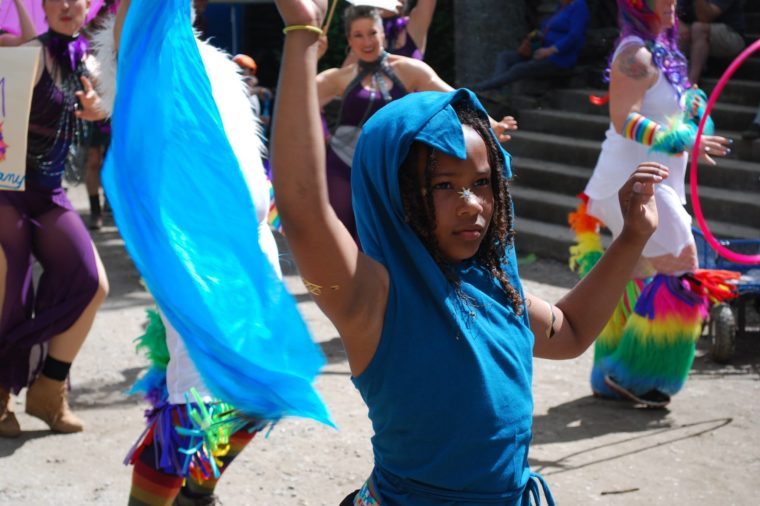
583, 256
273, 216
588, 248
609, 338
189, 439
681, 132
656, 349
152, 385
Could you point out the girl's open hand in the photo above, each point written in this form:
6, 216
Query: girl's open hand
637, 200
302, 12
507, 124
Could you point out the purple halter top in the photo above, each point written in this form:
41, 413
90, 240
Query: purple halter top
393, 28
53, 128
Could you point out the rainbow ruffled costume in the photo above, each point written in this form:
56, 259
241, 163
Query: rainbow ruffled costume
649, 342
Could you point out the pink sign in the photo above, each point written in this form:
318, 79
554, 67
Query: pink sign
9, 18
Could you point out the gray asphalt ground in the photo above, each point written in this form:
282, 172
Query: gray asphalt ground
703, 450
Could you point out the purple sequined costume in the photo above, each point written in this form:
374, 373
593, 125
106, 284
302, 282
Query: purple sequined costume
358, 105
40, 223
394, 27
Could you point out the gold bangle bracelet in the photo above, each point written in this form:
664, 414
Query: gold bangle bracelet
308, 28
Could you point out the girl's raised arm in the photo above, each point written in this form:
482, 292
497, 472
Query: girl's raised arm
566, 329
348, 286
419, 22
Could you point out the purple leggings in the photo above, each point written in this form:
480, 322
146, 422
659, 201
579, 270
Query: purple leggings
40, 224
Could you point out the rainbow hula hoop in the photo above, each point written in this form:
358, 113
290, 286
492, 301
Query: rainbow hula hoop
719, 248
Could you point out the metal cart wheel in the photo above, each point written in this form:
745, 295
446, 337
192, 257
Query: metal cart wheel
722, 333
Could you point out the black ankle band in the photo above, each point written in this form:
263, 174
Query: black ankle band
55, 369
95, 205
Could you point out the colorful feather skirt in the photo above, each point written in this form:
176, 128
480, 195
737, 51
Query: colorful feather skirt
190, 439
656, 348
649, 342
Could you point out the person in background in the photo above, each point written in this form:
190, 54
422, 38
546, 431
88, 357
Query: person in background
546, 52
100, 138
710, 28
43, 327
366, 86
407, 35
259, 96
646, 350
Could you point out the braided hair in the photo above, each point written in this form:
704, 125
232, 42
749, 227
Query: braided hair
419, 208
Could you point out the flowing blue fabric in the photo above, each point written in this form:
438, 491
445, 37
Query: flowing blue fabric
185, 212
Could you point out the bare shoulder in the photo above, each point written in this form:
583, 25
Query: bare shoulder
398, 61
635, 62
410, 70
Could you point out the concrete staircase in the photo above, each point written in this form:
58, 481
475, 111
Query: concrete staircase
560, 138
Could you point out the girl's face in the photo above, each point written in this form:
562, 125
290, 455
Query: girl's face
366, 39
66, 16
666, 12
463, 198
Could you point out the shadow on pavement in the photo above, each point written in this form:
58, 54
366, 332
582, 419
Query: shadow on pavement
634, 430
124, 280
8, 446
95, 394
590, 417
745, 362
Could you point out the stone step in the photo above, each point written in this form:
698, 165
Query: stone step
571, 124
729, 206
750, 69
752, 18
544, 239
594, 126
554, 148
554, 241
737, 91
547, 206
549, 176
726, 115
571, 180
552, 209
738, 206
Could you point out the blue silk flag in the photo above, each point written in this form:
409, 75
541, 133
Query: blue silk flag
183, 207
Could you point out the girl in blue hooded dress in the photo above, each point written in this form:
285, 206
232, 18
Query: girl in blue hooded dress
439, 334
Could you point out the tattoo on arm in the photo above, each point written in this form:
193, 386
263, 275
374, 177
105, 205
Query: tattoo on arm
316, 289
632, 67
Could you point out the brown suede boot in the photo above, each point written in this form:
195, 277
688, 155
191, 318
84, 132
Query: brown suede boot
9, 426
47, 400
